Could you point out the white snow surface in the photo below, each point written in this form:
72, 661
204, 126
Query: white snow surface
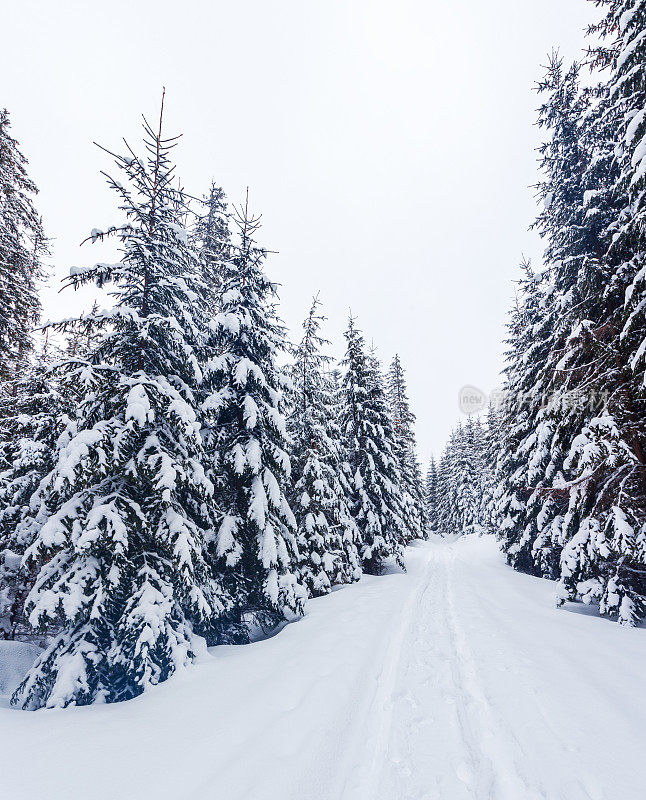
459, 680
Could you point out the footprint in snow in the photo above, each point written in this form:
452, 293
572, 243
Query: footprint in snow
464, 773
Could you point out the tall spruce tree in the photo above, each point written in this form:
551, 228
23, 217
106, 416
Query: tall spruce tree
412, 493
211, 237
22, 246
490, 448
431, 497
624, 55
582, 518
604, 554
572, 473
542, 412
255, 550
325, 529
573, 280
125, 575
444, 507
518, 486
34, 423
373, 471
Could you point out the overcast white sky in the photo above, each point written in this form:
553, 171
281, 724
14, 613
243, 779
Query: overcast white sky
389, 146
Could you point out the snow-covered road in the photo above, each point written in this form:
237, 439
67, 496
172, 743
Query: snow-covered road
458, 680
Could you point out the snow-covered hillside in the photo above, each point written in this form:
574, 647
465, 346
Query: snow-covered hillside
456, 680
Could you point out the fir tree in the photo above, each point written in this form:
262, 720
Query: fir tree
467, 476
444, 488
255, 549
571, 470
575, 279
625, 101
458, 484
540, 420
211, 238
431, 497
583, 457
604, 554
412, 495
372, 467
22, 246
517, 476
326, 532
125, 574
491, 446
34, 422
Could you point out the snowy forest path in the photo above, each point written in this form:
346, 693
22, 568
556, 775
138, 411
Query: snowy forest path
459, 680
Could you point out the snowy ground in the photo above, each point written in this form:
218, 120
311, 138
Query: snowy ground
458, 680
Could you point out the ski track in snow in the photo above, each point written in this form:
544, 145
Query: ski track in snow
457, 681
440, 676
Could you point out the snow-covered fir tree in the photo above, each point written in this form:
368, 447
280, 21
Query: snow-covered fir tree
255, 549
467, 476
431, 497
572, 284
372, 468
491, 446
22, 247
444, 487
412, 491
574, 468
33, 423
539, 417
605, 559
327, 534
519, 479
625, 102
211, 237
125, 574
